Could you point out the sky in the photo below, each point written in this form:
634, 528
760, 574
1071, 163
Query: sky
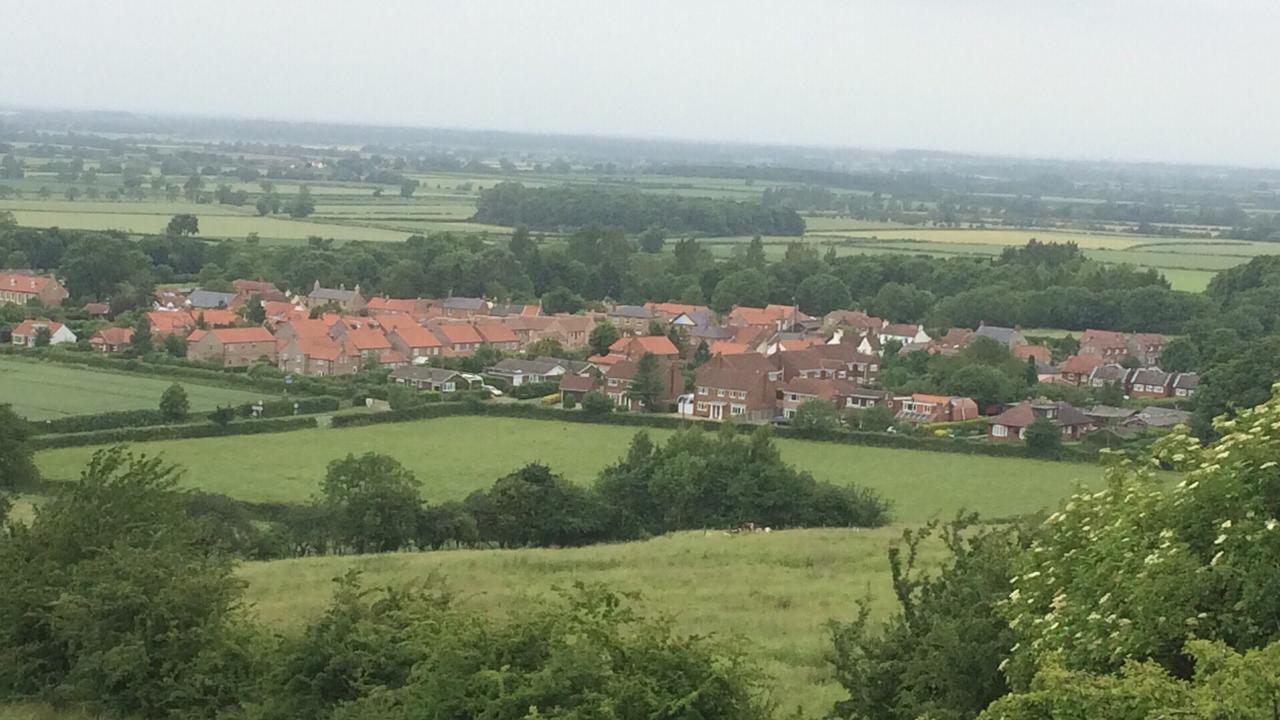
1166, 80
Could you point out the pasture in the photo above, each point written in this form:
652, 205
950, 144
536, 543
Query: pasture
455, 456
42, 391
775, 591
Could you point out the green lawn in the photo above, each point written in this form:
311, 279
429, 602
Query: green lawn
775, 591
454, 456
41, 391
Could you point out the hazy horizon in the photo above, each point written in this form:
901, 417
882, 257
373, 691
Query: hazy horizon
1140, 80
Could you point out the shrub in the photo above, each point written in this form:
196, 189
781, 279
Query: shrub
569, 402
174, 405
596, 403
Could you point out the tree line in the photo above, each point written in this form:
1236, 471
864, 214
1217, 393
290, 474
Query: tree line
552, 208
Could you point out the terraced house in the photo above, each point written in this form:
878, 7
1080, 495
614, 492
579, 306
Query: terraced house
18, 287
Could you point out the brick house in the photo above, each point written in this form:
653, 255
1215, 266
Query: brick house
777, 318
618, 377
1011, 425
112, 339
318, 355
1106, 344
19, 288
232, 347
25, 333
350, 301
631, 318
464, 307
739, 387
842, 394
415, 341
1149, 382
841, 361
856, 320
576, 386
498, 336
456, 338
1077, 369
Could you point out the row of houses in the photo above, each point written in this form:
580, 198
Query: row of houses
1143, 382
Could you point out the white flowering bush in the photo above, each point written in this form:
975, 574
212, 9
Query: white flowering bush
1138, 569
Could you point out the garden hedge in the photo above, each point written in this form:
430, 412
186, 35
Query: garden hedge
172, 432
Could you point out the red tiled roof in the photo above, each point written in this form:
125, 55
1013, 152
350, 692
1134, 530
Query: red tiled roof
23, 283
724, 347
321, 347
112, 336
395, 321
367, 338
28, 328
900, 329
1102, 338
196, 335
494, 332
577, 383
1023, 414
216, 318
656, 344
392, 305
309, 327
235, 336
457, 333
1041, 353
416, 336
1081, 364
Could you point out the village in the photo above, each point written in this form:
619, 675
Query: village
752, 365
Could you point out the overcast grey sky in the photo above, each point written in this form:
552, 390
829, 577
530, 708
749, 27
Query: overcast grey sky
1123, 79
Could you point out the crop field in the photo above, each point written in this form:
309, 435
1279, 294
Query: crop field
773, 592
41, 391
454, 456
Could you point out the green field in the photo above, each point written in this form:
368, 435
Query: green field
41, 391
776, 591
457, 455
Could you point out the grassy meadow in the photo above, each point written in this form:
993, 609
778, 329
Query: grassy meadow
455, 456
42, 391
775, 591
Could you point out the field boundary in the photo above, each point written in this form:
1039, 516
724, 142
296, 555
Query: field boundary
846, 437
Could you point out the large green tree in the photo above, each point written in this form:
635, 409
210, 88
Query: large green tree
371, 503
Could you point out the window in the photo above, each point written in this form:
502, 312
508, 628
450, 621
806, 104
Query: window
720, 392
737, 409
999, 431
702, 406
702, 391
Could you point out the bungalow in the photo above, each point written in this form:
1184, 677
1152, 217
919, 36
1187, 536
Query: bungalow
231, 347
517, 372
430, 378
96, 309
739, 387
26, 332
19, 287
415, 341
904, 334
112, 339
1012, 424
920, 408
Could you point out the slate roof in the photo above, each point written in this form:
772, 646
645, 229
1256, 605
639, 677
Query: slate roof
210, 299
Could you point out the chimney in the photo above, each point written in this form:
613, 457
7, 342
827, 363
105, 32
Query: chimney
317, 285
